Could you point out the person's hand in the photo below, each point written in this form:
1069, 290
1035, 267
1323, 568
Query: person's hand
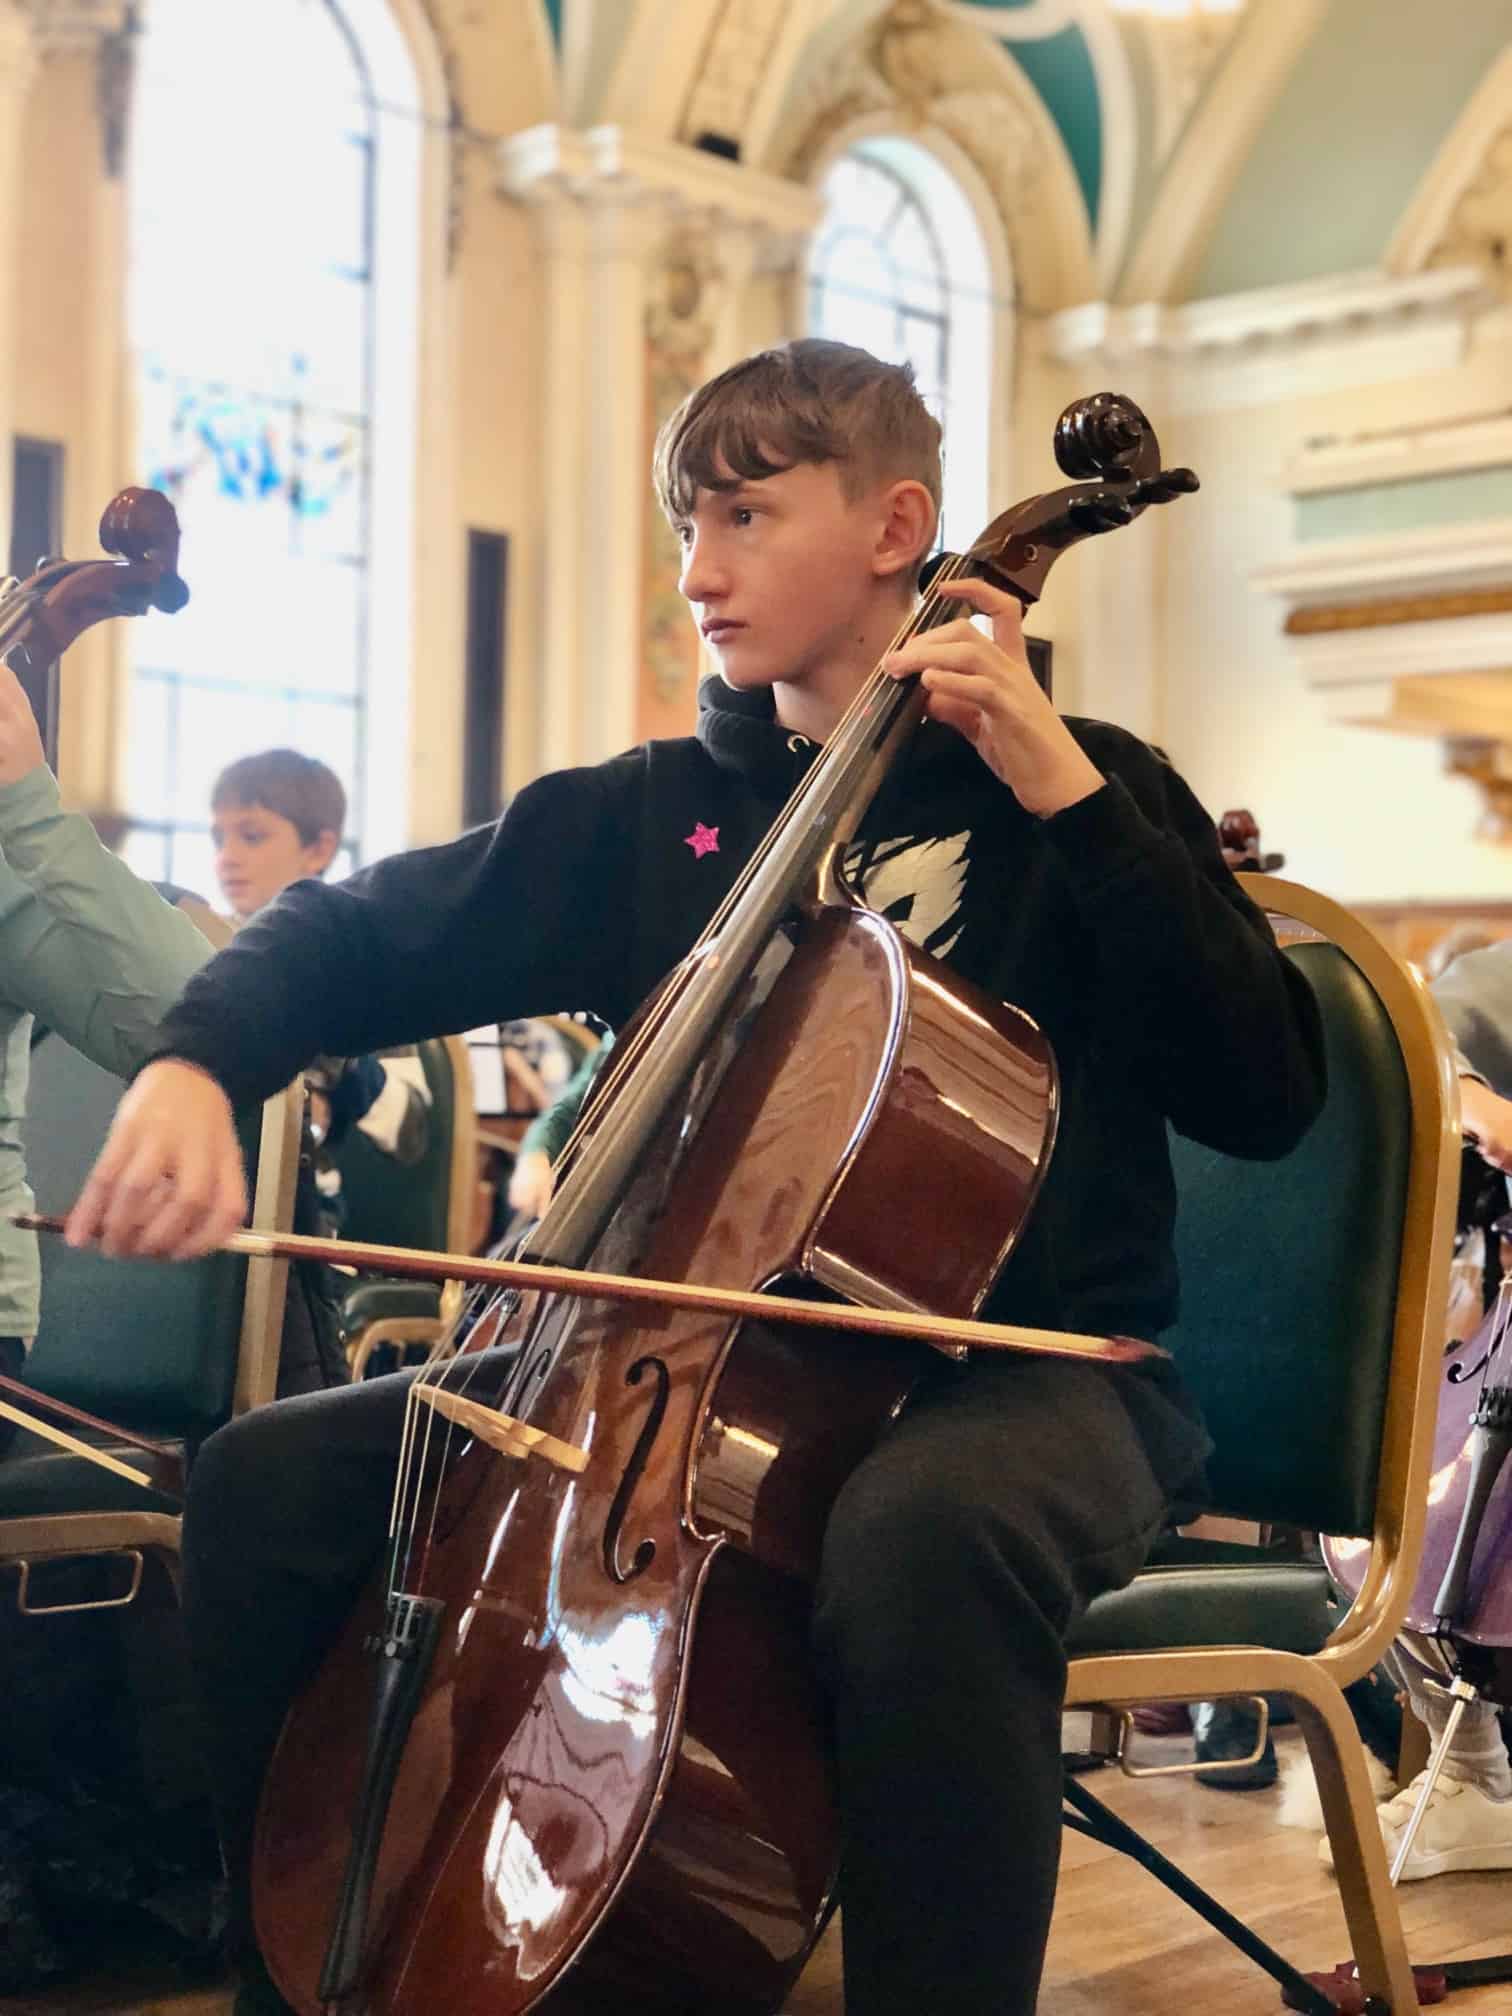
983, 686
1486, 1122
20, 737
169, 1182
530, 1183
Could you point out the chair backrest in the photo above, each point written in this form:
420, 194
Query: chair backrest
1313, 1286
172, 1349
427, 1203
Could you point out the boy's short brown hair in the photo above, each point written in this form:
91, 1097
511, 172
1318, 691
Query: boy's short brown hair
299, 788
810, 401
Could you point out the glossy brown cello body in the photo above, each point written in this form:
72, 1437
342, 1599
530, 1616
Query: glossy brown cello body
611, 1790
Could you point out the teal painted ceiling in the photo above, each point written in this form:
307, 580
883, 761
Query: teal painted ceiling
1060, 68
1372, 98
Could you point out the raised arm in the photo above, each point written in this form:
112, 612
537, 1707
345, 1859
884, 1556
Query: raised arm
85, 945
522, 918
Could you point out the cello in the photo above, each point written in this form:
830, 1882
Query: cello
594, 1770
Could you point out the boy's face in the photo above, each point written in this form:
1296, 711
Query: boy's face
258, 852
786, 576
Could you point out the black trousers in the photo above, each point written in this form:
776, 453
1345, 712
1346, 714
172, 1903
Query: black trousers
1011, 1493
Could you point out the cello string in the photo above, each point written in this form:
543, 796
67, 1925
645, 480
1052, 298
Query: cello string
453, 1430
414, 1450
478, 1303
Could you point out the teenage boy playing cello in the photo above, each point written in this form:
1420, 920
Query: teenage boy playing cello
1062, 864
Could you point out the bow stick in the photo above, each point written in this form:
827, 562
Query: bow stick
166, 1459
954, 1336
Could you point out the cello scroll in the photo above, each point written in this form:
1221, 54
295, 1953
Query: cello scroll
41, 616
1109, 448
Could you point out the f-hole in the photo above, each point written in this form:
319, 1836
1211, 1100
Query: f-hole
640, 1455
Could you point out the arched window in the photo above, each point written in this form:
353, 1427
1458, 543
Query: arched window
255, 198
899, 267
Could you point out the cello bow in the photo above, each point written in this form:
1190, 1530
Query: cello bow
953, 1336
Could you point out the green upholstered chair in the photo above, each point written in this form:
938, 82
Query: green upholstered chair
427, 1204
167, 1351
1313, 1298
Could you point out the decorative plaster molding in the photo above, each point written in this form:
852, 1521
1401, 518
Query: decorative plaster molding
1487, 762
1184, 52
1400, 454
607, 165
1441, 560
1445, 606
1343, 304
1463, 207
918, 67
1279, 342
1480, 226
1419, 651
1387, 629
735, 60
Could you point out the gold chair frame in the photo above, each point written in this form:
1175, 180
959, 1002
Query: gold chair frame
1315, 1682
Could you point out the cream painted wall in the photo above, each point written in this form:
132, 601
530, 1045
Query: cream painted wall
1363, 814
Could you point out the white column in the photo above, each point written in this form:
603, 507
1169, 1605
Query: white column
566, 578
625, 230
605, 202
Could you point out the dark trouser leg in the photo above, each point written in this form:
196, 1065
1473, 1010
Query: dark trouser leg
287, 1513
956, 1557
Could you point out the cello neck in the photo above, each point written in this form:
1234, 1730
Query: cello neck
741, 953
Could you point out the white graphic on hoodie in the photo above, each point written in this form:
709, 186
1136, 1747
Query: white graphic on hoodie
914, 884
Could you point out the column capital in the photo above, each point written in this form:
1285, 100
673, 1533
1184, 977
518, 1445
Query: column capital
608, 165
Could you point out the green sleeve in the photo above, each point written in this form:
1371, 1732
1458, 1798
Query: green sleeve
547, 1133
85, 944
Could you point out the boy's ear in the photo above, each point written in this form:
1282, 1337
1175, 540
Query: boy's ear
326, 846
908, 523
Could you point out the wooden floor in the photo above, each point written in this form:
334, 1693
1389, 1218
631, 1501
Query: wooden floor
1121, 1944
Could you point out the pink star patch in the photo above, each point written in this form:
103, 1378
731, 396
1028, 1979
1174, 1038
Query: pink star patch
703, 840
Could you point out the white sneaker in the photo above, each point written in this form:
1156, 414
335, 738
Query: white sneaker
1463, 1828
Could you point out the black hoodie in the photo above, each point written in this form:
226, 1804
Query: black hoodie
1115, 924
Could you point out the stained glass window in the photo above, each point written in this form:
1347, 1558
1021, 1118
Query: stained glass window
252, 181
898, 266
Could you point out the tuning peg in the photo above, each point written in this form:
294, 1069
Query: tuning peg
1102, 514
1161, 488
